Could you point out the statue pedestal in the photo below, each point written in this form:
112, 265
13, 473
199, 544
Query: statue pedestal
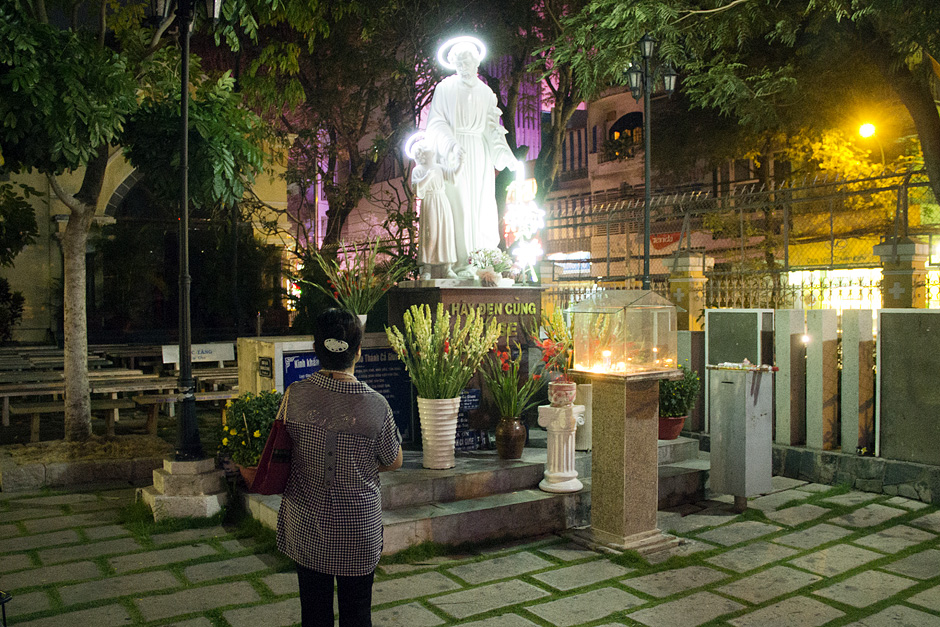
561, 422
624, 463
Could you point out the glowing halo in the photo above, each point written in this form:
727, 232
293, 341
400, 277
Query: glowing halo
411, 141
445, 49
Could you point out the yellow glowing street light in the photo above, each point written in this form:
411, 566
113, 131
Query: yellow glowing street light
867, 130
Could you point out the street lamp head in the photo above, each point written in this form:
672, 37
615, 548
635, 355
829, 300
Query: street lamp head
635, 80
867, 130
647, 44
669, 80
159, 10
213, 9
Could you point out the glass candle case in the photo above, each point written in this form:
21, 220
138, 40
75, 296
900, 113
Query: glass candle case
624, 332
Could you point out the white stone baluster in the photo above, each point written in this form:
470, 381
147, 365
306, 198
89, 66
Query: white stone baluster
561, 422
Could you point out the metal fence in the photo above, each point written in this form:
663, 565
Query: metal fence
795, 244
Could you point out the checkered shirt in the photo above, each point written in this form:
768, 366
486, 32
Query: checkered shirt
330, 518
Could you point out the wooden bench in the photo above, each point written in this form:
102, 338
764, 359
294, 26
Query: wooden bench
35, 410
155, 401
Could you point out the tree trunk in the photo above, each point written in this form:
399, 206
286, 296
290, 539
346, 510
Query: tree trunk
77, 394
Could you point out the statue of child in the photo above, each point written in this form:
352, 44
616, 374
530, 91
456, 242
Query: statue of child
437, 251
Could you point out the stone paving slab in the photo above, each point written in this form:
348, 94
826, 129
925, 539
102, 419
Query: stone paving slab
898, 616
571, 577
689, 611
410, 615
852, 498
775, 500
38, 541
929, 598
43, 525
768, 584
15, 561
107, 615
693, 522
191, 535
105, 531
28, 603
923, 565
195, 600
8, 531
585, 607
467, 603
282, 583
796, 515
500, 567
89, 550
45, 575
869, 516
17, 515
738, 532
229, 567
801, 611
751, 556
813, 536
900, 501
930, 522
424, 584
117, 587
669, 582
814, 487
568, 552
778, 483
193, 622
280, 614
894, 539
239, 545
865, 588
506, 620
835, 560
162, 557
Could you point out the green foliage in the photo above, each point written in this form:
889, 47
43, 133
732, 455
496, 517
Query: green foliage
225, 151
619, 149
11, 309
17, 222
676, 398
250, 417
62, 96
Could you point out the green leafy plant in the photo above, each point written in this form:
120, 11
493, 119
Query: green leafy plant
511, 392
362, 279
676, 398
441, 356
248, 425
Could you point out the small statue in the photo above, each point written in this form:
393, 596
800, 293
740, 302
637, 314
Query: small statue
437, 251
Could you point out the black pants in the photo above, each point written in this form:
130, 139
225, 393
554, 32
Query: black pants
316, 599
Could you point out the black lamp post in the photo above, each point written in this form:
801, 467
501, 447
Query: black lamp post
189, 447
641, 84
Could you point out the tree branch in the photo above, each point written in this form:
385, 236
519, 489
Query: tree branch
102, 21
690, 12
74, 205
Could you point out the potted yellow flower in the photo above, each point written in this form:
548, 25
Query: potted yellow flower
512, 395
248, 424
441, 355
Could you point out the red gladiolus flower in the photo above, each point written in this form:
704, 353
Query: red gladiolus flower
446, 346
505, 366
336, 294
536, 377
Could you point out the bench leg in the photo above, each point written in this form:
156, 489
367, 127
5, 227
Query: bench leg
115, 413
152, 412
34, 428
6, 411
109, 422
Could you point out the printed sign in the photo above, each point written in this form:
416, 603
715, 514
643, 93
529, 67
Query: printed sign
265, 367
379, 368
468, 439
200, 352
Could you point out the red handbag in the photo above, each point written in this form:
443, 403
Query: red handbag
274, 465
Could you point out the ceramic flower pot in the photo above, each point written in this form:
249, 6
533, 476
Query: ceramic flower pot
670, 426
438, 417
562, 393
248, 475
510, 438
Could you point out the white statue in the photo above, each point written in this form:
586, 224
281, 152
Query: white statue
437, 252
463, 126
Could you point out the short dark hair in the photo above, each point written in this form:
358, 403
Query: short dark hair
337, 324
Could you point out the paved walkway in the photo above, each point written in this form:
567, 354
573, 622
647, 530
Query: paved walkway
804, 555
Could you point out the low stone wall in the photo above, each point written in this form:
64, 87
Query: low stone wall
868, 474
66, 474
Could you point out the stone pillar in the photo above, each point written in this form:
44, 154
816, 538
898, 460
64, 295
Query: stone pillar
790, 381
904, 274
561, 422
687, 289
186, 490
822, 379
624, 463
858, 388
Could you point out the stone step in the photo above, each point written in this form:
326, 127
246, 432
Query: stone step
678, 450
519, 514
682, 482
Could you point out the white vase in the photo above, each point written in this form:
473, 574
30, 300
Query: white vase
362, 320
438, 418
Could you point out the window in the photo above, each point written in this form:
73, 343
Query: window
593, 140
